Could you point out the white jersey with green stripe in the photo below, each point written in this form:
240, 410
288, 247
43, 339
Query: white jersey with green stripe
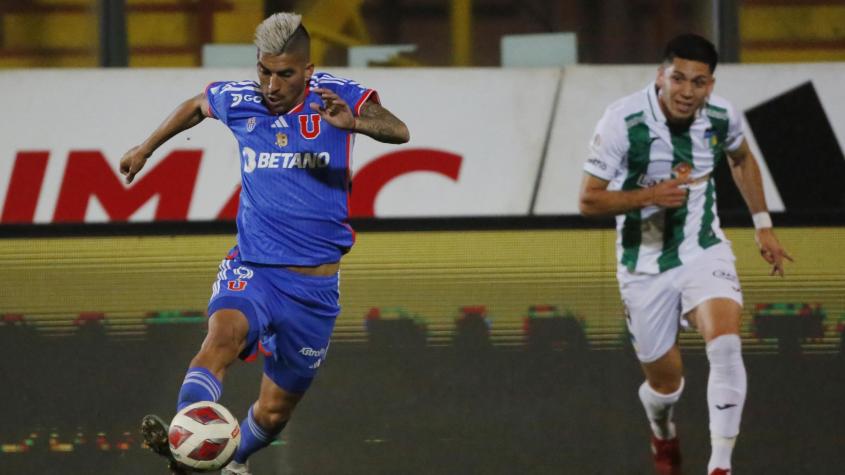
633, 147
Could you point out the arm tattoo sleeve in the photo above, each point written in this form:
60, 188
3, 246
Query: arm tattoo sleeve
378, 123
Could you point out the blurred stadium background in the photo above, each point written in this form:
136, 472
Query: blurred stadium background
482, 330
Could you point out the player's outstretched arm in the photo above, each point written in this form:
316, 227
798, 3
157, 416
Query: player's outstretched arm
596, 200
186, 115
746, 175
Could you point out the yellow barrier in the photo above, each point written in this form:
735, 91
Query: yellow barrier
430, 274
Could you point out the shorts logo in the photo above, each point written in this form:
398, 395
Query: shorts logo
724, 275
306, 351
243, 272
319, 354
236, 285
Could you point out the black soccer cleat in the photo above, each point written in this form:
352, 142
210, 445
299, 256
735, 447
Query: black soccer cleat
154, 432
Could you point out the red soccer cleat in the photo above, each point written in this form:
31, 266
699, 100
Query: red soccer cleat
721, 471
667, 456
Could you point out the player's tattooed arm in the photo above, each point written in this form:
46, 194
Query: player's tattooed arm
374, 120
379, 123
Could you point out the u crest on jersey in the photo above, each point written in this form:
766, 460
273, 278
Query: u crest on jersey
309, 126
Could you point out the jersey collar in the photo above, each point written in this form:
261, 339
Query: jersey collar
299, 107
654, 104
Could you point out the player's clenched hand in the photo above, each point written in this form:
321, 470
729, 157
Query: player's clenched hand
669, 194
771, 250
132, 162
334, 110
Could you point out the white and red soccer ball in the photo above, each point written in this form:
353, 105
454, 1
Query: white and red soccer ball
204, 436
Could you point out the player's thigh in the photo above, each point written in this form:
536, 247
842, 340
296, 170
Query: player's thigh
712, 294
716, 317
300, 344
652, 311
240, 300
306, 308
227, 328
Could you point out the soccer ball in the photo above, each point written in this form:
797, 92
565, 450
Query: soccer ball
204, 436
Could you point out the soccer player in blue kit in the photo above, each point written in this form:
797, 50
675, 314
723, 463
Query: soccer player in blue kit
277, 290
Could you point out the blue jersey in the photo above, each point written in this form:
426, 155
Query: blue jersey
295, 173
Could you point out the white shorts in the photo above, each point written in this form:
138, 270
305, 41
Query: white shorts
656, 303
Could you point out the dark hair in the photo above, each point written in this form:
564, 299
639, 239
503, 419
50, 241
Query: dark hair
692, 47
299, 42
300, 35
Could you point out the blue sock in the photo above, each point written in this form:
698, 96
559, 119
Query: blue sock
199, 385
253, 437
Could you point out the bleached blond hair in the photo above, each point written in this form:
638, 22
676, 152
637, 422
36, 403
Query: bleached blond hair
277, 33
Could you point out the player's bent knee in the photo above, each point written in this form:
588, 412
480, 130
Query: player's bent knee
725, 349
665, 374
667, 386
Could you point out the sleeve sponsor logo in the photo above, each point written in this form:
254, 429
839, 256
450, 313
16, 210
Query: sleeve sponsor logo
597, 163
237, 99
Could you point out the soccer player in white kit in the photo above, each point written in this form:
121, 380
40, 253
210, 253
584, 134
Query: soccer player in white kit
650, 163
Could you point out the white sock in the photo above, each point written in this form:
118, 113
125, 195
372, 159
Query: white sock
658, 409
726, 390
720, 457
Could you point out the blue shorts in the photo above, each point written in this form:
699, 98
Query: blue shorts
291, 316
